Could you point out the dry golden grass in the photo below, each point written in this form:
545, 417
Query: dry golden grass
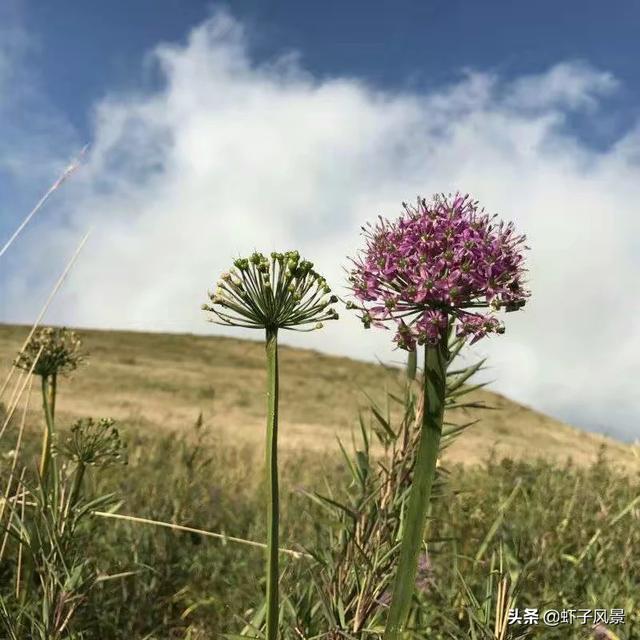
162, 381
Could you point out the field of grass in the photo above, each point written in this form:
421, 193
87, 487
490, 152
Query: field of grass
567, 531
151, 382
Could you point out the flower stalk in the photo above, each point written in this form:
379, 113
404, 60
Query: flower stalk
273, 499
48, 407
441, 263
50, 352
283, 292
435, 376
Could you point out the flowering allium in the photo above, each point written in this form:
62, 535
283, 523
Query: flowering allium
439, 259
283, 292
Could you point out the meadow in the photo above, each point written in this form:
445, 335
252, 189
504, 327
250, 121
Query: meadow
523, 503
154, 382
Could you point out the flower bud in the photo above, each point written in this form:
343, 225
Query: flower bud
255, 304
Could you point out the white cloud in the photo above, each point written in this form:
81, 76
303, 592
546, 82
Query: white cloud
572, 85
233, 155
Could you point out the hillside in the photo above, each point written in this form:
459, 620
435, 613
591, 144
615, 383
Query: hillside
159, 381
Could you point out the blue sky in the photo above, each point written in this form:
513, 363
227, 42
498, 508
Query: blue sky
217, 129
82, 50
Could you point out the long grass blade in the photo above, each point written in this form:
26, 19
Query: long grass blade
202, 532
69, 170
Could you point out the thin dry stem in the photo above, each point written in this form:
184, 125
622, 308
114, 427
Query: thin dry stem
19, 567
211, 534
73, 165
16, 398
16, 455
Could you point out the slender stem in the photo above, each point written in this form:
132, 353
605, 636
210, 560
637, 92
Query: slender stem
412, 364
52, 395
48, 399
77, 484
272, 484
435, 371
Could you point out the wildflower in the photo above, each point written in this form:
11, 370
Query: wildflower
283, 292
60, 352
92, 443
280, 292
429, 270
50, 351
442, 259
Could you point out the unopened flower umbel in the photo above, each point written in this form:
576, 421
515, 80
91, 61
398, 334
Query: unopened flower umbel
441, 259
283, 292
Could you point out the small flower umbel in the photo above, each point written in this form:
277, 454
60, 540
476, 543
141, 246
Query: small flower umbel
432, 269
94, 444
280, 292
283, 292
61, 352
58, 351
91, 444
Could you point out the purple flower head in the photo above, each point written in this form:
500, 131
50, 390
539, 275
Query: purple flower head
439, 259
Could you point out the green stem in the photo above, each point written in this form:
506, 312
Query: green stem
435, 371
272, 484
77, 484
52, 395
412, 364
48, 405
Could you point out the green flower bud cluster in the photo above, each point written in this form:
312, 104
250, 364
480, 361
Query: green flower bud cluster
91, 443
60, 352
282, 291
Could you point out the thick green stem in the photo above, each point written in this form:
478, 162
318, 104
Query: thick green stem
435, 371
272, 484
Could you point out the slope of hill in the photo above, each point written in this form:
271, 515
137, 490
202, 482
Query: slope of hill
162, 381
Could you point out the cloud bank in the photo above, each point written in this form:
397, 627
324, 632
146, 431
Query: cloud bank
233, 154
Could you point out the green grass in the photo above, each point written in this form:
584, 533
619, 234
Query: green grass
187, 584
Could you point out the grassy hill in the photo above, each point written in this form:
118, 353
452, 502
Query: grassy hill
151, 381
568, 533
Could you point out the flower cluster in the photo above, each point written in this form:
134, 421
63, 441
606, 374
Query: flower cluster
59, 350
93, 443
439, 260
282, 292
